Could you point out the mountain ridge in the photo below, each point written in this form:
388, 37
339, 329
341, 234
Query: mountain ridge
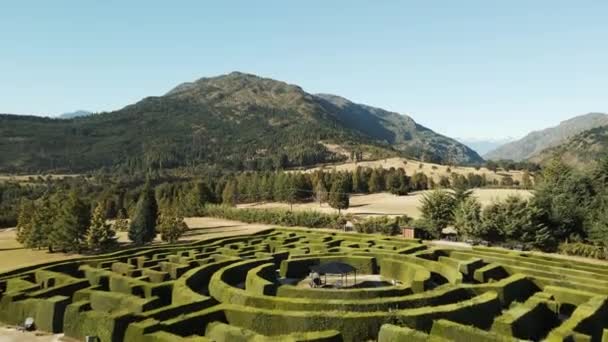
233, 121
537, 141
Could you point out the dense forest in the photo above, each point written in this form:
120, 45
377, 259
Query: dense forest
567, 211
119, 193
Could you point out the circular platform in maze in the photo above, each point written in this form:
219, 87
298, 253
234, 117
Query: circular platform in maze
257, 288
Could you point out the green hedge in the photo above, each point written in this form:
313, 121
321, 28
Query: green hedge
262, 280
478, 311
408, 273
588, 318
393, 333
221, 332
517, 287
531, 320
453, 331
300, 267
355, 294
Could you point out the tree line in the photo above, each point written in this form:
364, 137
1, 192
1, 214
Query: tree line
63, 222
567, 212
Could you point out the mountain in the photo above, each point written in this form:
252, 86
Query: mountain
235, 121
483, 146
400, 131
537, 141
581, 151
75, 114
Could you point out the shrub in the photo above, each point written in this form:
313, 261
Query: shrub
584, 250
380, 225
282, 217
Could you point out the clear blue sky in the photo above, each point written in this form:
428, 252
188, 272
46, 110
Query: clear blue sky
462, 68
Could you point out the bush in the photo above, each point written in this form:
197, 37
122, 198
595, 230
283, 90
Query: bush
281, 217
583, 250
381, 225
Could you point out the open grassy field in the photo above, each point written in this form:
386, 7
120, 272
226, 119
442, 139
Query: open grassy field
13, 255
388, 204
436, 171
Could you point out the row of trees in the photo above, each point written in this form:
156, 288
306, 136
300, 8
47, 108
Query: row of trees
63, 222
185, 196
567, 206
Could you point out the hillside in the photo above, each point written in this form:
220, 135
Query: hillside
431, 170
537, 141
581, 151
235, 121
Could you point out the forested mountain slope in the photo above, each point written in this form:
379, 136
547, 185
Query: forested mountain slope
537, 141
235, 121
582, 151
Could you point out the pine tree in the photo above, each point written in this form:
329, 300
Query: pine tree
320, 192
375, 182
230, 193
41, 225
100, 235
196, 199
290, 192
143, 226
338, 195
121, 225
70, 225
24, 221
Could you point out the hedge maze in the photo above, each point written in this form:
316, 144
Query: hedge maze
244, 288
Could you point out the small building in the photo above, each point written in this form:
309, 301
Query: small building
408, 232
449, 233
349, 226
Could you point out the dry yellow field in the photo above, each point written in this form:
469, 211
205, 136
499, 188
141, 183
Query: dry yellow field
388, 204
13, 255
412, 166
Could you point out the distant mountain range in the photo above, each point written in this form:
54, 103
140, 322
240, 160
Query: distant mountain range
236, 121
483, 146
582, 150
75, 114
536, 143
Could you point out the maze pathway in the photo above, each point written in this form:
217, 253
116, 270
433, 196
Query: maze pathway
240, 288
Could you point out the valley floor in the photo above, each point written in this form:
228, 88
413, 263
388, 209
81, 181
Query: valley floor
388, 204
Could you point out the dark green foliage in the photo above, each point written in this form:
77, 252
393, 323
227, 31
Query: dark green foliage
397, 182
310, 219
24, 221
382, 225
100, 235
71, 222
230, 195
171, 227
376, 183
196, 199
584, 250
41, 224
143, 225
564, 196
467, 217
437, 209
338, 195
